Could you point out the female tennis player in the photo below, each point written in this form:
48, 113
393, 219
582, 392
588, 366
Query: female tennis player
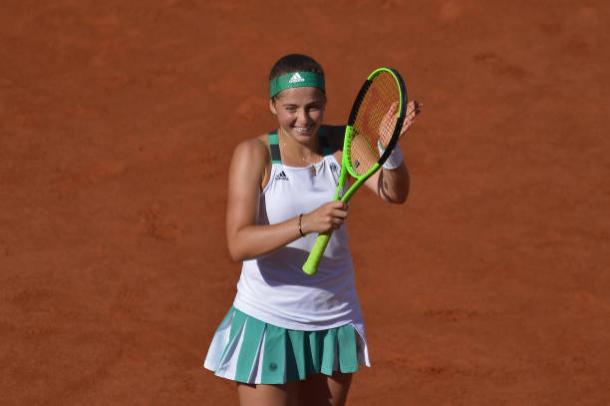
290, 338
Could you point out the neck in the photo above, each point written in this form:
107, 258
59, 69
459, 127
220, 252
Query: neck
300, 152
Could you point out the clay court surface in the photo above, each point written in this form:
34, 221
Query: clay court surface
117, 122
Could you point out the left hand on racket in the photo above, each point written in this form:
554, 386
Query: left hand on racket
413, 109
386, 128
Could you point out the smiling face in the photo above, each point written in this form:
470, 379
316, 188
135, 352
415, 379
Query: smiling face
299, 111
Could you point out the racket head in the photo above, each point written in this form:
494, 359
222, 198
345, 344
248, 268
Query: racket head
377, 116
375, 120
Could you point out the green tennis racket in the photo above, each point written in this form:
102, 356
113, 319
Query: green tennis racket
371, 134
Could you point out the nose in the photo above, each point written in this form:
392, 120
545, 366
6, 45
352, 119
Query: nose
302, 117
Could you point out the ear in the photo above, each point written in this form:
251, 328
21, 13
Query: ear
272, 107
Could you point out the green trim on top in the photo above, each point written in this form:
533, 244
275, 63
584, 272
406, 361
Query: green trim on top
274, 144
274, 147
323, 140
273, 138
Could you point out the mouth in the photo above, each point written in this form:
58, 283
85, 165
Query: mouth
303, 130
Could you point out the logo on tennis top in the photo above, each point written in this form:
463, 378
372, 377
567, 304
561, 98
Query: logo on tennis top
281, 176
334, 167
296, 78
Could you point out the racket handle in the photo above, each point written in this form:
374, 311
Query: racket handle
310, 267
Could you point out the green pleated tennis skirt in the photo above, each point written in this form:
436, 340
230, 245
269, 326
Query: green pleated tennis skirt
248, 350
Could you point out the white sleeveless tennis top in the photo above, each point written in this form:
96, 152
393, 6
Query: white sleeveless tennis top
273, 288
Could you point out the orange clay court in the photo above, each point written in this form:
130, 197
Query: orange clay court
490, 286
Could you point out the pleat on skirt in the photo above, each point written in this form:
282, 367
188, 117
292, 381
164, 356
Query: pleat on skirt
248, 350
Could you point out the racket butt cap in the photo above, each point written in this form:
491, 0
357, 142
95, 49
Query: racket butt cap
310, 267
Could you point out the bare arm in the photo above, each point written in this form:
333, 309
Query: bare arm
392, 185
245, 238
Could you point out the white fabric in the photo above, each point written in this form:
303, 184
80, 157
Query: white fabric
222, 354
273, 288
258, 367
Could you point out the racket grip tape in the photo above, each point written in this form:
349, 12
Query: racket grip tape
310, 267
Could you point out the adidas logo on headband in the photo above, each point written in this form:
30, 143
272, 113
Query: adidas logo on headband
296, 78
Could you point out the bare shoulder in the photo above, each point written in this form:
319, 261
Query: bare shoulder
251, 161
253, 150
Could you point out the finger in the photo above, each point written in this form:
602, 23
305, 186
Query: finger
413, 107
408, 121
341, 205
412, 111
339, 214
337, 223
338, 205
390, 113
417, 106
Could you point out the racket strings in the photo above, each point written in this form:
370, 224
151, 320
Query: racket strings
375, 122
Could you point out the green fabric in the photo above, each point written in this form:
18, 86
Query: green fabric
274, 355
274, 144
249, 348
296, 355
346, 338
329, 351
316, 347
274, 147
289, 355
323, 137
273, 139
237, 322
295, 79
